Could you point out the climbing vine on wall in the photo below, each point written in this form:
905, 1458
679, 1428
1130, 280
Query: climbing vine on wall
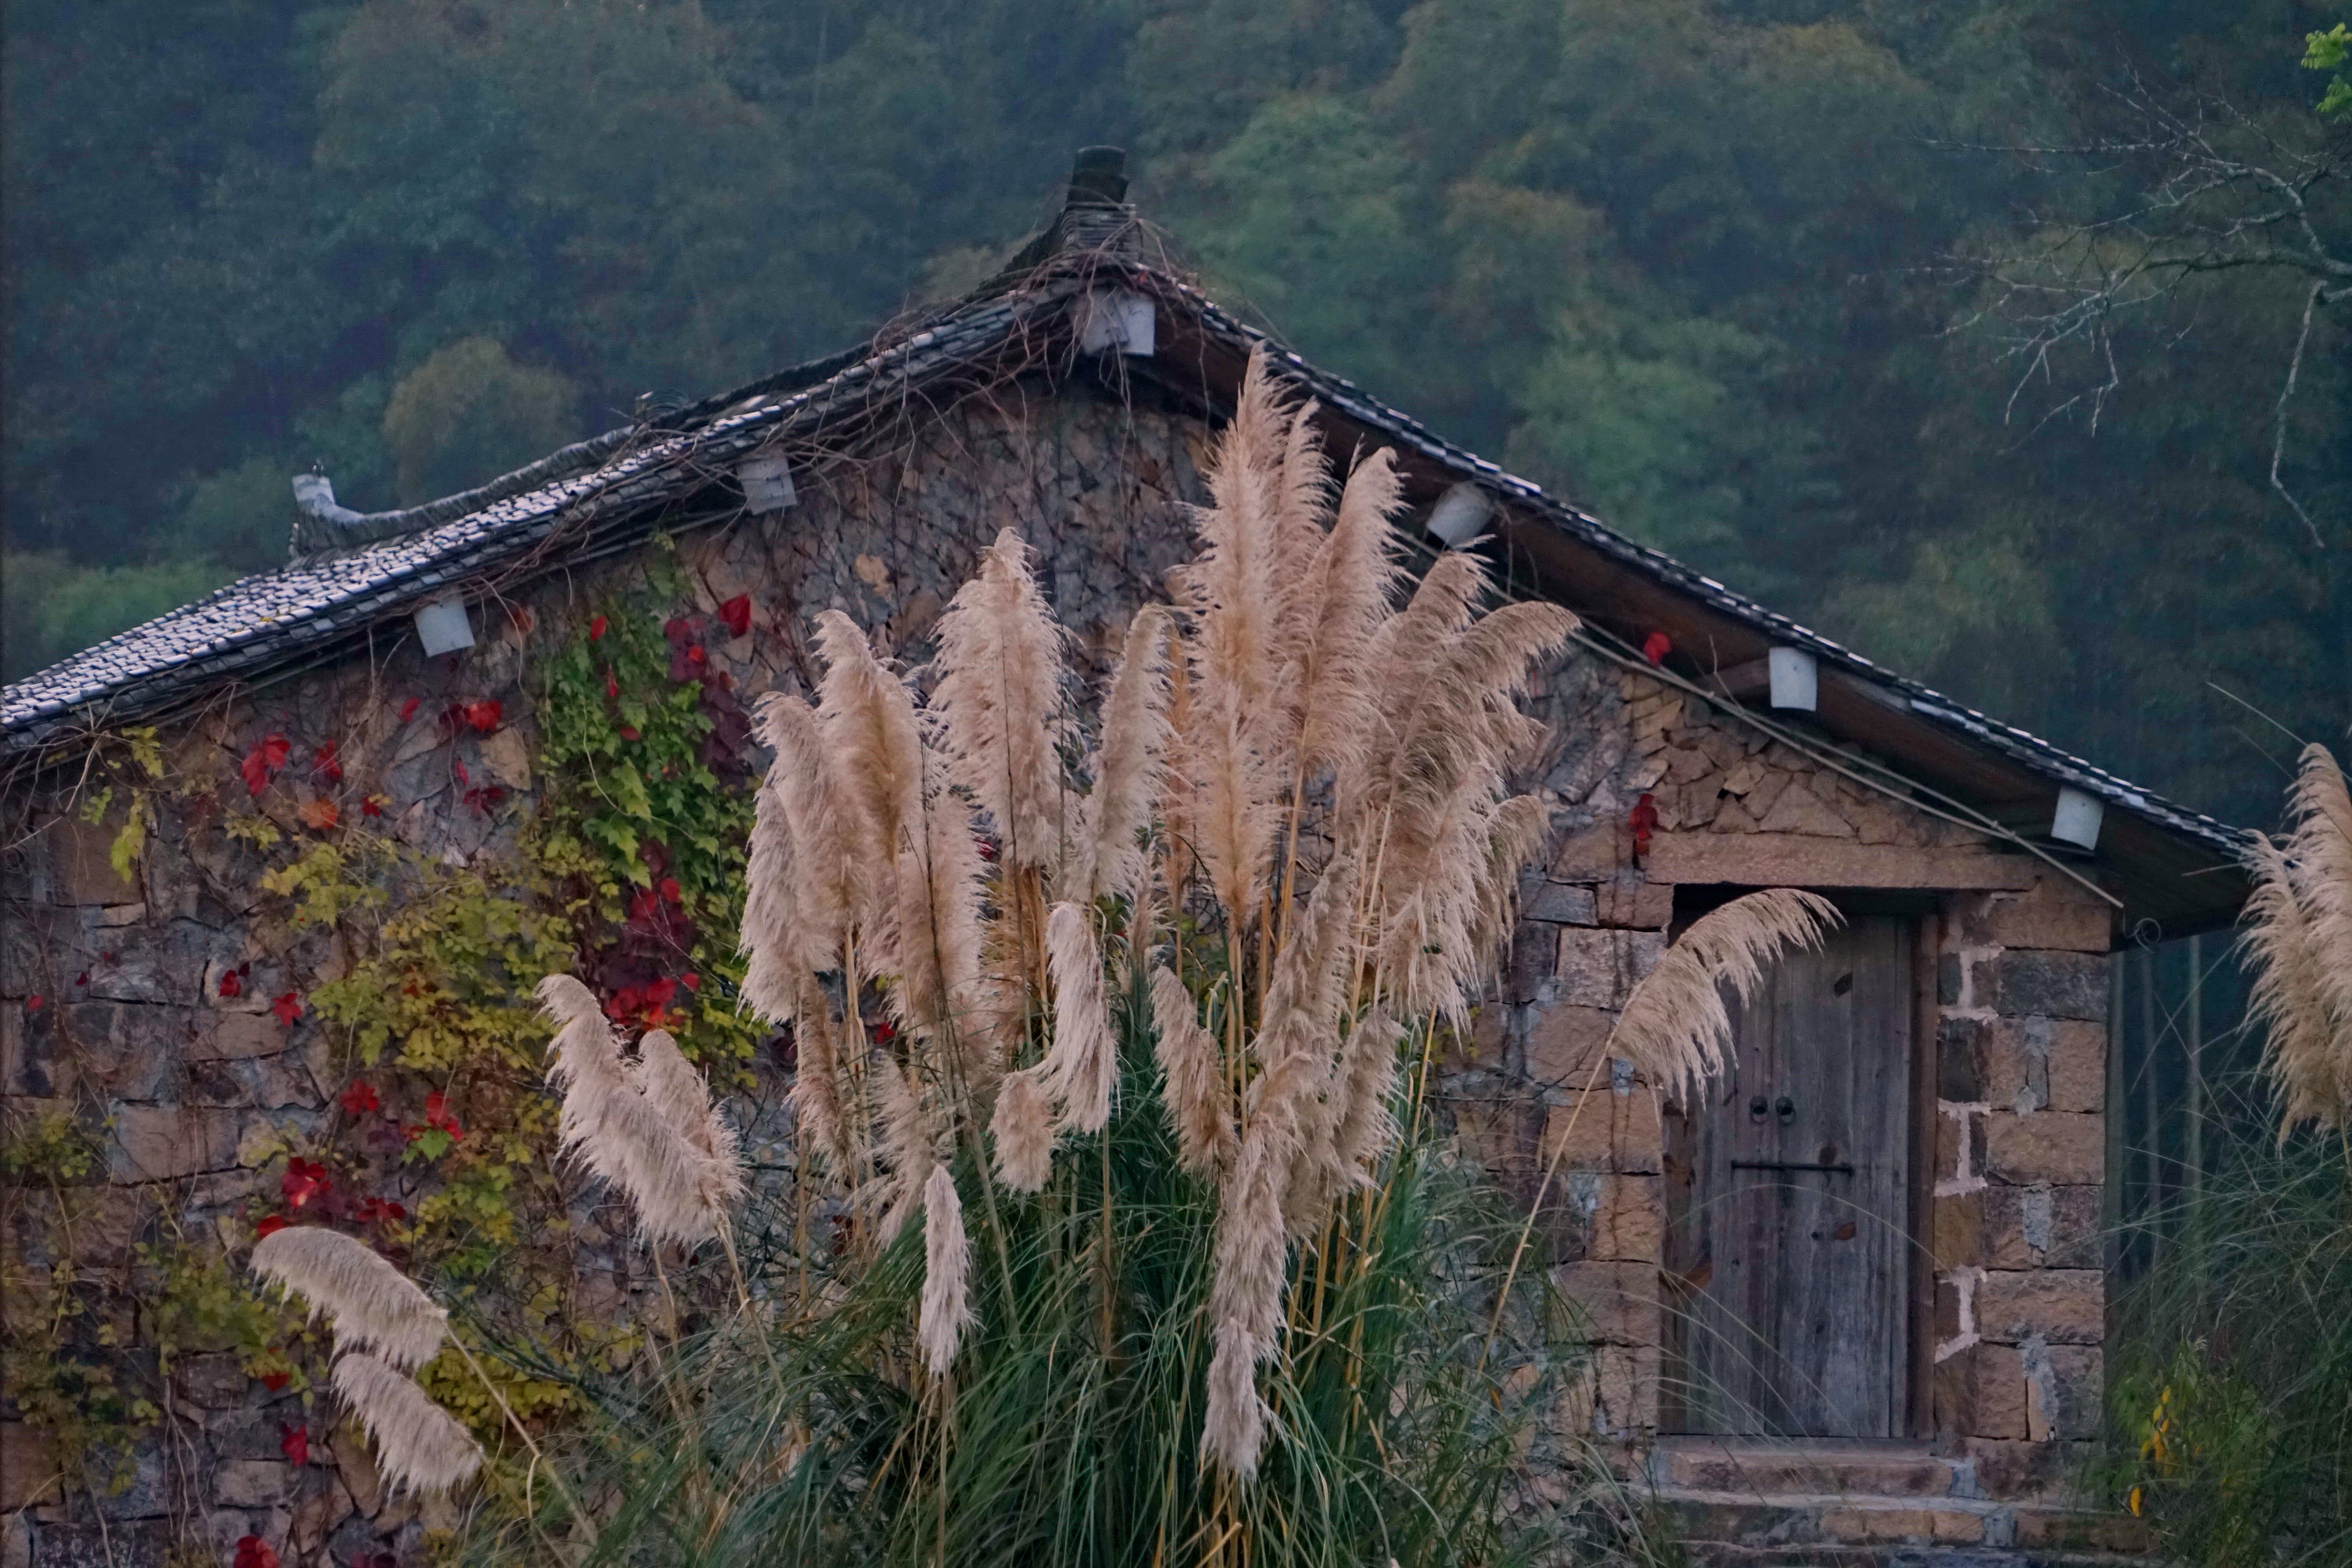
647, 813
437, 1141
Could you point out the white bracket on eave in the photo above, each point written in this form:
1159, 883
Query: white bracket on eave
1460, 514
1796, 679
442, 627
1114, 319
767, 484
2077, 819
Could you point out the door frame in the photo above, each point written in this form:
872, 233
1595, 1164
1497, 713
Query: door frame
1925, 910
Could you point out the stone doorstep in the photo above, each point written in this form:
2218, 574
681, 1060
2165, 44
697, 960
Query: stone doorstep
1760, 1467
1730, 1554
1816, 1530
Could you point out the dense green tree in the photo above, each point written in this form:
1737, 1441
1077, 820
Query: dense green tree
1784, 287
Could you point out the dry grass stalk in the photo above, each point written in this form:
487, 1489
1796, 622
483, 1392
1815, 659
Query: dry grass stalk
1130, 767
371, 1304
1083, 1065
1022, 1132
1298, 727
1000, 656
676, 1166
875, 747
816, 1096
1194, 1095
1347, 587
909, 1141
1675, 1029
2323, 851
419, 1447
947, 1259
2298, 943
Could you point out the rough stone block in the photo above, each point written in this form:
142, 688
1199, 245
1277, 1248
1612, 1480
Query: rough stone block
153, 1142
1799, 810
2077, 1065
1630, 1138
2045, 916
2019, 1470
1959, 1234
2024, 1064
1960, 1058
29, 1470
1563, 903
1498, 1132
1563, 1040
2055, 985
235, 1037
1619, 1301
1611, 1217
2060, 1306
2062, 1148
1625, 1380
1777, 860
2038, 1227
255, 1483
1644, 906
1980, 1392
1534, 950
216, 1381
80, 864
2064, 1388
1598, 968
132, 1543
29, 1060
128, 1050
1595, 854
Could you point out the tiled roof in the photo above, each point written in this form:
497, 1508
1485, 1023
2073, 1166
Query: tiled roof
274, 620
271, 620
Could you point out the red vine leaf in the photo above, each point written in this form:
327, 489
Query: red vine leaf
319, 815
294, 1442
483, 715
408, 708
361, 1098
735, 614
288, 1008
261, 764
596, 629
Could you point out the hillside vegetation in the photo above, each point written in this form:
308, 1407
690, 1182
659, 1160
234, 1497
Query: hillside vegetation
1730, 275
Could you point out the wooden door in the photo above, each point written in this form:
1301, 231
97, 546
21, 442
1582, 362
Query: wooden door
1789, 1252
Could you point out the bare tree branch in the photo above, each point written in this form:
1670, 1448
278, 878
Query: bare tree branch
2222, 192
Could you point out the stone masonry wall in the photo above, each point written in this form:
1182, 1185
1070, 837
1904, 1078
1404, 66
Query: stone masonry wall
111, 1012
2019, 1055
111, 1004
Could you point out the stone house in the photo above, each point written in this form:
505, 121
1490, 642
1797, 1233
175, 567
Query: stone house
1856, 1297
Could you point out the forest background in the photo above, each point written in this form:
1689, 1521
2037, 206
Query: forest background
1727, 274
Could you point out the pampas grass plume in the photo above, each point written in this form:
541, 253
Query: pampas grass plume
2322, 847
372, 1304
1001, 656
1674, 1027
1084, 1062
419, 1447
676, 1091
1194, 1094
1130, 766
1022, 1132
947, 1259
